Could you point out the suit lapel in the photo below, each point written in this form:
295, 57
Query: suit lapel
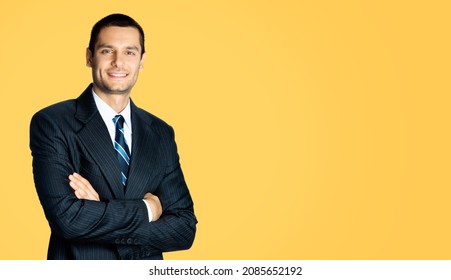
145, 154
94, 136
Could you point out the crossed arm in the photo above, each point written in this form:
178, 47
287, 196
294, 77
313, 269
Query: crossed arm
79, 215
84, 190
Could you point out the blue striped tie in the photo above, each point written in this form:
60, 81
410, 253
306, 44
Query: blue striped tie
123, 153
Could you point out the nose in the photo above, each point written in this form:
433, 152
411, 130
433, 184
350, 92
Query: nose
117, 60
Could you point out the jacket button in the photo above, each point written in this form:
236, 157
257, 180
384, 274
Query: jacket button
117, 241
123, 241
129, 241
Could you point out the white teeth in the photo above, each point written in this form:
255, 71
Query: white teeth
118, 75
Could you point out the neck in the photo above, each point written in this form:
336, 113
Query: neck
117, 101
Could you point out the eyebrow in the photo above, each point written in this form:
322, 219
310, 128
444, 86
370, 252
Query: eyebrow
112, 47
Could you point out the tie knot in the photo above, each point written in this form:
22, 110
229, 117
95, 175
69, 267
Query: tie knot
119, 121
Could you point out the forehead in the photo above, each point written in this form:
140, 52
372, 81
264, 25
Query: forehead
119, 37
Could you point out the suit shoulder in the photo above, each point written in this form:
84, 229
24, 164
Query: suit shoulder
60, 114
153, 120
59, 109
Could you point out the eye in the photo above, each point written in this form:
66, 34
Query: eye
106, 51
130, 53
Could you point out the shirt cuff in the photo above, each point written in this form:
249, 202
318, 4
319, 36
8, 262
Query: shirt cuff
149, 211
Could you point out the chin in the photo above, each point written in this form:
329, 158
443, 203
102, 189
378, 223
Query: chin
118, 90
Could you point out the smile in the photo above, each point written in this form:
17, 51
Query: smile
117, 75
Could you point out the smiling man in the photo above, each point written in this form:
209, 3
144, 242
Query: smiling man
107, 173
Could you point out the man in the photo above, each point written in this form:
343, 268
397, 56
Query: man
107, 172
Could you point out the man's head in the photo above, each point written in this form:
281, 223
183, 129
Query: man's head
118, 20
116, 54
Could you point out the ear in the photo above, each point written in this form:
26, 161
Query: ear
141, 63
88, 58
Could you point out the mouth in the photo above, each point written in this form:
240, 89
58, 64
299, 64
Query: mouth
117, 75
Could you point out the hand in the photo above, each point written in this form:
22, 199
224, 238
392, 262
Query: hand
82, 187
155, 205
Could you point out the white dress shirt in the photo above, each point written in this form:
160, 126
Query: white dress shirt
108, 114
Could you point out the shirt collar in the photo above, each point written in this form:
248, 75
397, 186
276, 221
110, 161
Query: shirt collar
108, 113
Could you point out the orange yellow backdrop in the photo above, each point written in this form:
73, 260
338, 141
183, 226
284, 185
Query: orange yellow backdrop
306, 129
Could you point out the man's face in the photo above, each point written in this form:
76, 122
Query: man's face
116, 60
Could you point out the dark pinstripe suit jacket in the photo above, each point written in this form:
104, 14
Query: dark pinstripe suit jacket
71, 137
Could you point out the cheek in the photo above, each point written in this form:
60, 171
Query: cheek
101, 63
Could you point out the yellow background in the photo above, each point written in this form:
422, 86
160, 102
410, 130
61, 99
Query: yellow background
306, 129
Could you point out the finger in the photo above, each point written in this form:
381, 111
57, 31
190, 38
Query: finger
76, 182
81, 182
82, 179
81, 190
72, 178
73, 185
85, 183
84, 188
80, 194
